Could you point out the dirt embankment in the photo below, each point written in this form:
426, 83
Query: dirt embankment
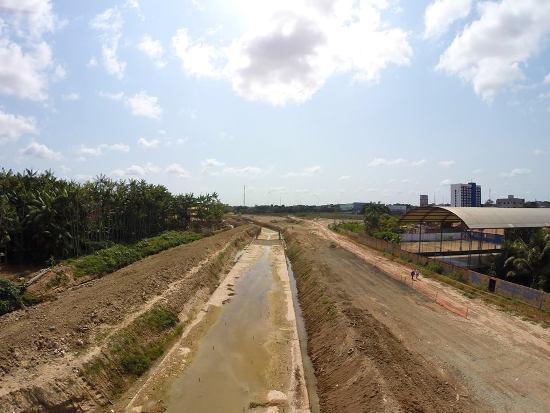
359, 363
45, 349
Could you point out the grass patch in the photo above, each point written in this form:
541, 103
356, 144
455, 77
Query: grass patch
111, 259
131, 352
356, 227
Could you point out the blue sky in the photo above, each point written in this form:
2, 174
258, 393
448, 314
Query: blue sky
303, 101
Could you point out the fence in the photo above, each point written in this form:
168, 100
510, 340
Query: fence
530, 296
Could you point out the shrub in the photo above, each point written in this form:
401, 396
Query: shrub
434, 267
111, 259
158, 319
388, 236
10, 297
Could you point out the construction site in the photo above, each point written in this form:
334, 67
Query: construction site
277, 314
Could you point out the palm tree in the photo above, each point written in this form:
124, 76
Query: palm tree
530, 261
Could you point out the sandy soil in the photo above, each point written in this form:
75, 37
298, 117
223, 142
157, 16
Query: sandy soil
490, 361
44, 342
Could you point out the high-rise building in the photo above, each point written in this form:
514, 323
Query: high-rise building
466, 195
424, 202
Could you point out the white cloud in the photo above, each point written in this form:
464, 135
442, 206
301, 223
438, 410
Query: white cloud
24, 73
118, 147
109, 26
153, 49
71, 97
387, 162
142, 104
41, 151
490, 52
420, 162
211, 163
92, 62
59, 73
246, 171
446, 164
547, 79
309, 171
178, 170
12, 127
441, 14
26, 61
291, 48
145, 143
135, 6
445, 182
515, 172
216, 168
85, 151
538, 152
89, 151
344, 178
197, 57
136, 171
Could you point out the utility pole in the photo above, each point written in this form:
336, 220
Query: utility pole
244, 195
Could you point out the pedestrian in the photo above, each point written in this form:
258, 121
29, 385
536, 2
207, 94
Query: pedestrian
413, 272
417, 271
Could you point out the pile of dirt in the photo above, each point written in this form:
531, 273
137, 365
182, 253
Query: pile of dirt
37, 342
359, 363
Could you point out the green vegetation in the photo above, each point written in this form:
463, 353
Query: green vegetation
288, 209
132, 351
525, 259
137, 355
43, 218
389, 236
377, 222
11, 297
118, 256
434, 267
356, 227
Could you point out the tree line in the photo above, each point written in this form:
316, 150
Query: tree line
43, 217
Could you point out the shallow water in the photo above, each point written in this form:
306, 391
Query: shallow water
229, 369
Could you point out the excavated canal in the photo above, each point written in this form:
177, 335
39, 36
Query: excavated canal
242, 352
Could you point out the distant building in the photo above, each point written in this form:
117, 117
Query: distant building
510, 202
466, 195
398, 209
355, 208
424, 201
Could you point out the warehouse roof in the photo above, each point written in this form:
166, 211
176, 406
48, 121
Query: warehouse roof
481, 218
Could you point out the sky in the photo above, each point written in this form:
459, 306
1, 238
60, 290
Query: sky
302, 101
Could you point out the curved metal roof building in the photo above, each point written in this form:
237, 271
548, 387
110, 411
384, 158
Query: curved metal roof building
481, 218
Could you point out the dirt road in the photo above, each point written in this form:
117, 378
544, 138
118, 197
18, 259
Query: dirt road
494, 361
241, 352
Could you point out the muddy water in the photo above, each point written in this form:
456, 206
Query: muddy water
229, 370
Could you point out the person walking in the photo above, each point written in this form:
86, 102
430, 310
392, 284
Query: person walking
417, 273
413, 273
